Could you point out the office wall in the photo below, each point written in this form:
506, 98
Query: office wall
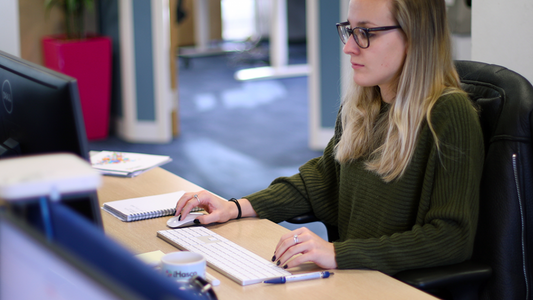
185, 32
10, 39
501, 34
296, 19
35, 23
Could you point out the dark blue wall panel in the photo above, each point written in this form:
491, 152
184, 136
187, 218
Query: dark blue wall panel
144, 70
330, 69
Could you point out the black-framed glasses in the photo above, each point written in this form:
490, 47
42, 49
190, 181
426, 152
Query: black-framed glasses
361, 35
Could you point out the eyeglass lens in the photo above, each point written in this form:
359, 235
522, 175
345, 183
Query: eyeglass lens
360, 36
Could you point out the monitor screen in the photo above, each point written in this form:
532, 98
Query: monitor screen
31, 268
41, 113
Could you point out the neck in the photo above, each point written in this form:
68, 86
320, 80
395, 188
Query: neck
387, 96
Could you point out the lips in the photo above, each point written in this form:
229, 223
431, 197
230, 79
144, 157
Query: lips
357, 66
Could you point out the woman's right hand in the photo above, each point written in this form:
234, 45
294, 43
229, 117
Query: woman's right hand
219, 210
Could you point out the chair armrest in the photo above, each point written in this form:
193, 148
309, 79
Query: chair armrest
446, 276
302, 219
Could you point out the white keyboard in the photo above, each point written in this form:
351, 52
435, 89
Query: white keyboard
223, 255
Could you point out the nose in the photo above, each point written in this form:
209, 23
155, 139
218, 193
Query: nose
351, 47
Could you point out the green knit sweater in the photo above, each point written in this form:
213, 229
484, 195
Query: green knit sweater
426, 218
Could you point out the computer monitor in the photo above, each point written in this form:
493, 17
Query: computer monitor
41, 113
31, 268
80, 262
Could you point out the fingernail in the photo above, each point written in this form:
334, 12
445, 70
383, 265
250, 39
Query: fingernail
279, 262
274, 258
285, 267
196, 221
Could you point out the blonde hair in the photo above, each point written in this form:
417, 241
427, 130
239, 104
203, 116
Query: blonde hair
387, 140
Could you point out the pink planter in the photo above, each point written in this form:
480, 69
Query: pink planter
89, 61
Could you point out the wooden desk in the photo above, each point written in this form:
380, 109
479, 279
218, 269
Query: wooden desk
258, 235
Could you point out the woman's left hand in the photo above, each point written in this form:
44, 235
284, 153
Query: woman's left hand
312, 247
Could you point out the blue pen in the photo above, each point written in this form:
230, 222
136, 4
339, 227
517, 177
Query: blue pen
300, 277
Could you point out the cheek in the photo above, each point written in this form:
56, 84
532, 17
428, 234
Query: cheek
395, 63
389, 64
395, 59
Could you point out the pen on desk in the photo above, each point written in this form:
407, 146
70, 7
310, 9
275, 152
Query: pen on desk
300, 277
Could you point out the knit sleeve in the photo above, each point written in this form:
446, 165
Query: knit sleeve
313, 189
445, 224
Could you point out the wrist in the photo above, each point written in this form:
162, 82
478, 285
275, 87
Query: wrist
238, 207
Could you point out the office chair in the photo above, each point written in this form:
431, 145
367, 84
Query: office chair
502, 261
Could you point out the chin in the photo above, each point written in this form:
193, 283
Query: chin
362, 83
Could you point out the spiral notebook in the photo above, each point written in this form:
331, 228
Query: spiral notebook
142, 208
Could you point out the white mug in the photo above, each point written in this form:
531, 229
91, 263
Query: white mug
183, 265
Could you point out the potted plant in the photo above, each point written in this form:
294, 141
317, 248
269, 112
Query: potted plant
86, 57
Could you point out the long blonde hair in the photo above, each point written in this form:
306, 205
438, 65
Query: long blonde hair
387, 140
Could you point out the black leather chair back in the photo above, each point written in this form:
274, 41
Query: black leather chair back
505, 231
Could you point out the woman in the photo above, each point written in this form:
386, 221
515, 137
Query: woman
400, 178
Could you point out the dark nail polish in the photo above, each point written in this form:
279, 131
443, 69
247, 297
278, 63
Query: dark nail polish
196, 221
274, 258
279, 262
285, 267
